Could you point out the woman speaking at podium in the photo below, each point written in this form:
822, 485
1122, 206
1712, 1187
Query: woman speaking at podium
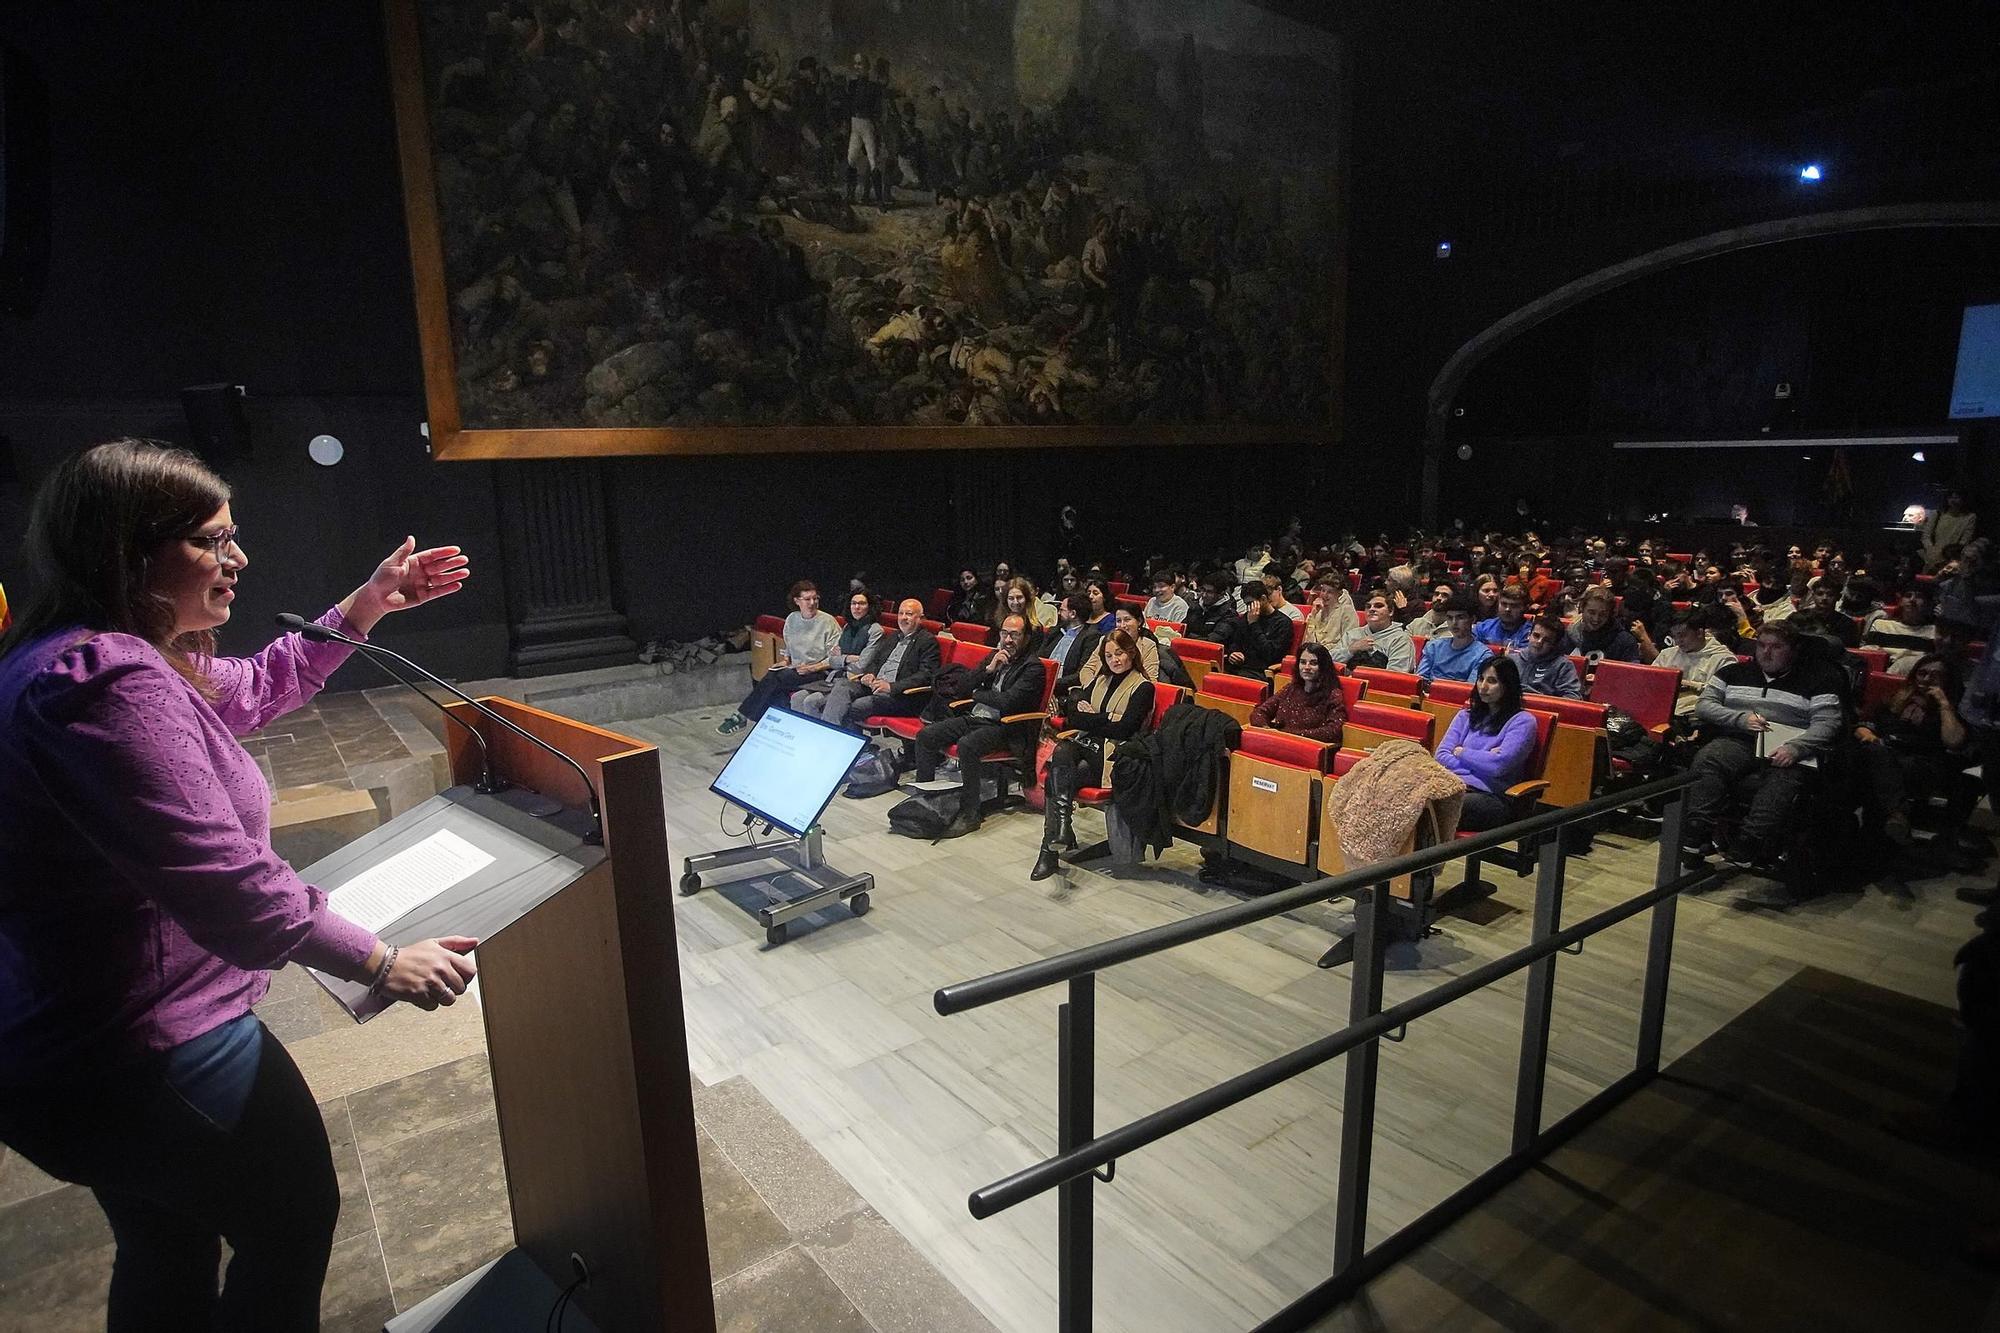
141, 904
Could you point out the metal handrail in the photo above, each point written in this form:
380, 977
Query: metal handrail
1082, 1155
1045, 1175
1028, 977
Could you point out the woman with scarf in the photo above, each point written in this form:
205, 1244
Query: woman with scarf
1114, 707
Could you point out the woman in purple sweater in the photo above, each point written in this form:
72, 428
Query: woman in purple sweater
1489, 744
141, 904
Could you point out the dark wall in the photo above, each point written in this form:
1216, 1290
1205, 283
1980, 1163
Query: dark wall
1862, 330
226, 207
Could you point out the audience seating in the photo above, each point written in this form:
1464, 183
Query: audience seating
1880, 688
1234, 695
1272, 781
1173, 627
1877, 659
767, 637
939, 603
966, 631
1444, 698
1369, 724
1119, 588
1096, 798
1579, 755
1199, 656
1521, 799
1019, 761
952, 652
1646, 692
1397, 689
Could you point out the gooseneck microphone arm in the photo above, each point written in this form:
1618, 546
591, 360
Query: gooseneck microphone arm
323, 634
489, 782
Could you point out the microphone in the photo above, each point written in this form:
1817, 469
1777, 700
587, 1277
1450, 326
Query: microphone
489, 782
319, 633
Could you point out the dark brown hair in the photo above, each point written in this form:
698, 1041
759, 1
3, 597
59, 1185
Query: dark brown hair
97, 522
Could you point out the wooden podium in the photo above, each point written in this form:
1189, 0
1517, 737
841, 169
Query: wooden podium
584, 1034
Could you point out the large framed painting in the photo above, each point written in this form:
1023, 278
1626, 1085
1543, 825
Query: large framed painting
719, 226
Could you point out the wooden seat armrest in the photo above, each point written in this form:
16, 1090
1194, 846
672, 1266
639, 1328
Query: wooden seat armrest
959, 703
1522, 791
1024, 717
1065, 735
918, 689
1658, 731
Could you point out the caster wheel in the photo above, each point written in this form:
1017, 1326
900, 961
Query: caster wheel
774, 935
690, 884
858, 904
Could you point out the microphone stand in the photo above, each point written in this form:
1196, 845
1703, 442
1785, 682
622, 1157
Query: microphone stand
321, 633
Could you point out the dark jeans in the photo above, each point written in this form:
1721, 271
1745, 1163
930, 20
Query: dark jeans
1482, 810
1727, 766
976, 737
175, 1185
778, 682
1890, 778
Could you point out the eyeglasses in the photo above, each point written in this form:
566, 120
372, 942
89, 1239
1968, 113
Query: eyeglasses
215, 543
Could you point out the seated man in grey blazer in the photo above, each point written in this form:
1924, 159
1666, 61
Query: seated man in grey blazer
881, 686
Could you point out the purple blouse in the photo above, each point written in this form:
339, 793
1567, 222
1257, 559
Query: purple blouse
1491, 762
141, 903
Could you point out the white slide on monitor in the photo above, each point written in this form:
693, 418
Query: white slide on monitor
787, 767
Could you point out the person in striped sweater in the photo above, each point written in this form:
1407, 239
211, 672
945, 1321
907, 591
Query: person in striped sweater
1793, 696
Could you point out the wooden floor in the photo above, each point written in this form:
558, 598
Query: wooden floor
1751, 1187
1225, 1223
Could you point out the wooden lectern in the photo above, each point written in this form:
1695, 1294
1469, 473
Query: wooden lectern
584, 1034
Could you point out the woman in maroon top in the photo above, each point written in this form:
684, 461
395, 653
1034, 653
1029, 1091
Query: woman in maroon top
141, 905
1311, 705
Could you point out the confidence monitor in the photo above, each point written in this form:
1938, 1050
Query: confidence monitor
787, 768
1975, 387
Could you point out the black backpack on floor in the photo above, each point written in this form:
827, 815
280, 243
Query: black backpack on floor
925, 815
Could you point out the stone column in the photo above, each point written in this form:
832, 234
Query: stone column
561, 600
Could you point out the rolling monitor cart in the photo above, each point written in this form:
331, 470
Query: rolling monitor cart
784, 773
584, 1030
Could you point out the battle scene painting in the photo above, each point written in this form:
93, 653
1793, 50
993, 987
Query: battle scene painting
832, 214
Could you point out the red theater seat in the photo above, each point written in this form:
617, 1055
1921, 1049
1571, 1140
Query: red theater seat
966, 631
1646, 692
1403, 723
1880, 688
1164, 698
1280, 747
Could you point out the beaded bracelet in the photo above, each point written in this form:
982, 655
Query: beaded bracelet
382, 973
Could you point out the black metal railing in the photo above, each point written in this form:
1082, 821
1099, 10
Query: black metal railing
1083, 1154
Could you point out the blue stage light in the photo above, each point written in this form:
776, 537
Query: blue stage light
1809, 172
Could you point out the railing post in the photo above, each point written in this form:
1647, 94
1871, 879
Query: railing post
1660, 945
1357, 1113
1533, 1072
1076, 1097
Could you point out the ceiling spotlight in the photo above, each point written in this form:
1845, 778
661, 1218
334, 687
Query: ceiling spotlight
1809, 172
1444, 249
1917, 457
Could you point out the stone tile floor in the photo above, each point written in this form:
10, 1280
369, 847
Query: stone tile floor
424, 1199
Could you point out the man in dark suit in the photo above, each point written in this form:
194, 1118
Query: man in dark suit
1008, 683
904, 660
1073, 641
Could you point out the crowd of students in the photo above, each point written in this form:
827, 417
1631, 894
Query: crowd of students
1770, 709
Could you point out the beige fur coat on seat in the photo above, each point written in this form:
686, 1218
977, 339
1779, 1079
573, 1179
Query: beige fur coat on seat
1378, 806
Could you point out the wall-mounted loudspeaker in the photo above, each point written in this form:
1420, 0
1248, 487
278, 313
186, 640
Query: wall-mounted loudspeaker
218, 424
